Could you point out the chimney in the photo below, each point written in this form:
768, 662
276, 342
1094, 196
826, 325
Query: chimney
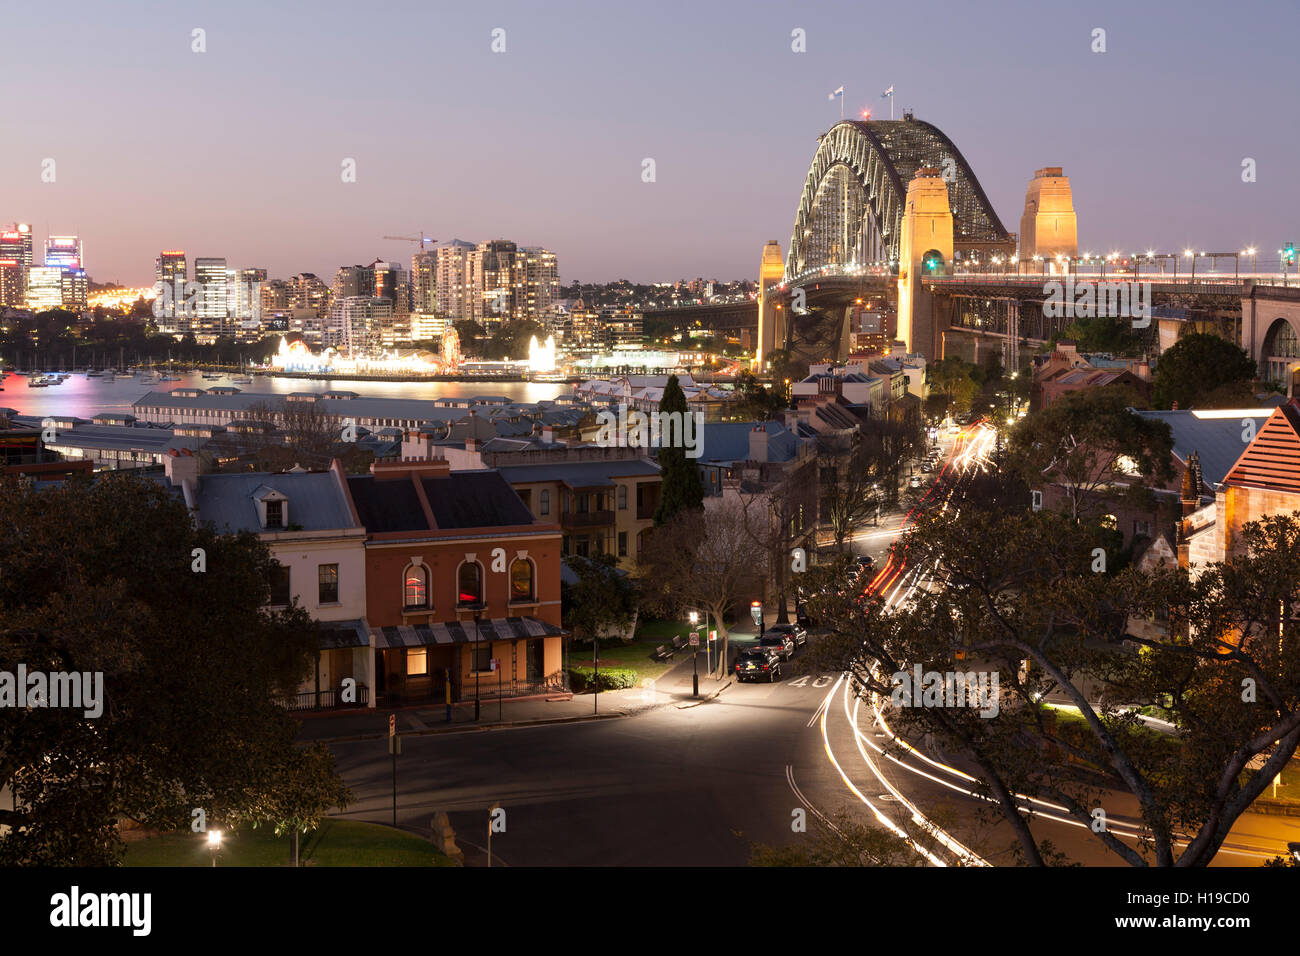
548, 434
758, 442
181, 466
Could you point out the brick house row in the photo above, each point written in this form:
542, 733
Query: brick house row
428, 584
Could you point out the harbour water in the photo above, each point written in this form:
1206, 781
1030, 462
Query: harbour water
83, 397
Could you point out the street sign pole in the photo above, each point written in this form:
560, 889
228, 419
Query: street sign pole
394, 748
695, 663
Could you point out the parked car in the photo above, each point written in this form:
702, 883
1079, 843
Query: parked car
778, 641
795, 631
757, 663
914, 481
865, 562
926, 466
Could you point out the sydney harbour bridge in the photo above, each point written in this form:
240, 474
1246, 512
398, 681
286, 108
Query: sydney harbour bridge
894, 232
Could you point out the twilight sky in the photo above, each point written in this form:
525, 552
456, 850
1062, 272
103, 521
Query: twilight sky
237, 151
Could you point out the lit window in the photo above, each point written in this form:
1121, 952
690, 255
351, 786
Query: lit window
416, 587
521, 580
417, 661
470, 584
328, 583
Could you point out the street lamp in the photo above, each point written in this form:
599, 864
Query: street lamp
695, 657
478, 615
214, 844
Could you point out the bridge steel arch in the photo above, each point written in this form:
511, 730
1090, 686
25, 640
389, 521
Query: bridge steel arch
851, 210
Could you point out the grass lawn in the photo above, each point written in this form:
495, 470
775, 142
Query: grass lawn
638, 655
333, 843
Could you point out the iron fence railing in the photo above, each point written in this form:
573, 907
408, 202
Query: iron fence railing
325, 699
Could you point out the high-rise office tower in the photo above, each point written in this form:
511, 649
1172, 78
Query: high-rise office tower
424, 281
213, 308
44, 288
246, 304
454, 292
16, 248
353, 281
499, 284
169, 267
540, 282
64, 252
391, 283
75, 288
306, 291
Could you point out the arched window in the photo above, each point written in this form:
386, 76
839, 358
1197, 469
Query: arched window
469, 583
544, 500
521, 580
415, 587
622, 497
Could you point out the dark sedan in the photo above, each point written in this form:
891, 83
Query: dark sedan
758, 663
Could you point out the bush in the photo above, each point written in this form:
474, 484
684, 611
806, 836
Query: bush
613, 678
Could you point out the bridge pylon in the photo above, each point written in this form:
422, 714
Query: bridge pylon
771, 317
925, 249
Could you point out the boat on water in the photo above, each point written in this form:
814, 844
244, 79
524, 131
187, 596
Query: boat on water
94, 374
169, 378
241, 380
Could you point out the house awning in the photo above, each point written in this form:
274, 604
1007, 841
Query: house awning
462, 632
339, 634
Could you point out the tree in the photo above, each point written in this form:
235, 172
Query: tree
1093, 447
702, 560
955, 379
602, 599
101, 577
470, 332
1105, 333
851, 472
758, 402
1023, 602
682, 489
778, 516
1196, 365
510, 340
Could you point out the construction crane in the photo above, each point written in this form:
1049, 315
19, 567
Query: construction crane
421, 239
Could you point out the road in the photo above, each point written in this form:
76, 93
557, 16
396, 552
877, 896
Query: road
683, 783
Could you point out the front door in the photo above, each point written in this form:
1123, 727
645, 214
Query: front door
533, 660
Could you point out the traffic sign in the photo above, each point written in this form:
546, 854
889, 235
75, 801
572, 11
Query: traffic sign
392, 725
713, 635
492, 663
695, 639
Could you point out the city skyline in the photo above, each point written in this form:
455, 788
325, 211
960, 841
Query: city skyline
1153, 132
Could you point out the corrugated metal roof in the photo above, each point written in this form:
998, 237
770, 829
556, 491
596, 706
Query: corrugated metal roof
1219, 441
580, 474
316, 503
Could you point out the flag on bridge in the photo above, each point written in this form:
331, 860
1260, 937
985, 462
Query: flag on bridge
888, 92
839, 92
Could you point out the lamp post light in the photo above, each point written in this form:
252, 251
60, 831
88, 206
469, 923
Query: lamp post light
478, 616
695, 656
214, 844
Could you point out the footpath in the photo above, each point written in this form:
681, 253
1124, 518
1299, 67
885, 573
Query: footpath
673, 688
